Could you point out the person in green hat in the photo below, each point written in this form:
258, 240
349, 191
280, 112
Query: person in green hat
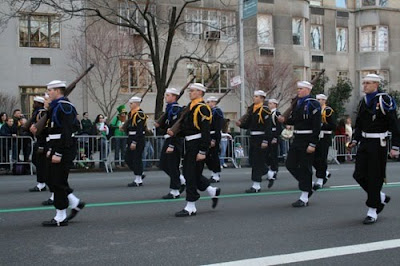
120, 142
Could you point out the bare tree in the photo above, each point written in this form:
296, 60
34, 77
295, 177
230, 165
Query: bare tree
276, 79
8, 103
159, 31
105, 47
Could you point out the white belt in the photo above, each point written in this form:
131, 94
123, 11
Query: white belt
54, 136
133, 133
257, 133
166, 136
274, 129
192, 137
374, 135
212, 132
322, 133
302, 132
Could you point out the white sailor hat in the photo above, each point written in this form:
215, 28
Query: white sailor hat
198, 86
172, 91
57, 84
212, 99
372, 77
321, 97
38, 99
135, 99
260, 93
273, 101
304, 84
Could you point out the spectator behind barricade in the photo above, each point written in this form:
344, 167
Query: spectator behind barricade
17, 115
286, 136
103, 131
7, 130
3, 118
148, 153
239, 154
349, 134
117, 131
225, 137
340, 140
26, 142
87, 125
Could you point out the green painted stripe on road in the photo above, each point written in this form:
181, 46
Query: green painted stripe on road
106, 204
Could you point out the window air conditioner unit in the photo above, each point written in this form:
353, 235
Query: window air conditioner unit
212, 35
266, 51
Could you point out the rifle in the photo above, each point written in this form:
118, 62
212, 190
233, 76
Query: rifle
293, 103
162, 117
176, 128
223, 95
42, 122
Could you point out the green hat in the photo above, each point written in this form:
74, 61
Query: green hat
237, 144
121, 109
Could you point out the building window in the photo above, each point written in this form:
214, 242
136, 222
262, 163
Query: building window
264, 31
341, 39
41, 31
204, 74
381, 3
130, 15
341, 3
316, 3
316, 37
197, 21
374, 38
299, 73
298, 31
135, 75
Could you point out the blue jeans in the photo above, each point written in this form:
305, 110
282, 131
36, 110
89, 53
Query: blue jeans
224, 146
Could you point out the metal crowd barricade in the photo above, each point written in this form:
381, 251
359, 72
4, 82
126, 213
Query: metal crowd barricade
14, 150
230, 153
92, 149
151, 152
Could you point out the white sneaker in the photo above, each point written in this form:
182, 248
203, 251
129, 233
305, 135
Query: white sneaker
225, 165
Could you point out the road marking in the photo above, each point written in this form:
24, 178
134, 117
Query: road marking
356, 185
260, 194
315, 254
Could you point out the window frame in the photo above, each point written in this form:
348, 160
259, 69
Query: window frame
346, 40
302, 35
270, 43
51, 20
321, 37
376, 40
202, 78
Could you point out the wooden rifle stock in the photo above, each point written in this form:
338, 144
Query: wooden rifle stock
40, 125
177, 126
293, 103
162, 117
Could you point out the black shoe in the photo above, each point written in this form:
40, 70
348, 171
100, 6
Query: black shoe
252, 190
36, 189
326, 178
143, 176
380, 208
134, 184
369, 220
215, 198
316, 186
170, 196
270, 183
48, 202
75, 211
212, 180
184, 213
299, 203
182, 188
54, 223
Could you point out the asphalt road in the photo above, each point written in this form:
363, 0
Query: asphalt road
133, 226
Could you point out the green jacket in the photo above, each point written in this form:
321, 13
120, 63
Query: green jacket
115, 124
